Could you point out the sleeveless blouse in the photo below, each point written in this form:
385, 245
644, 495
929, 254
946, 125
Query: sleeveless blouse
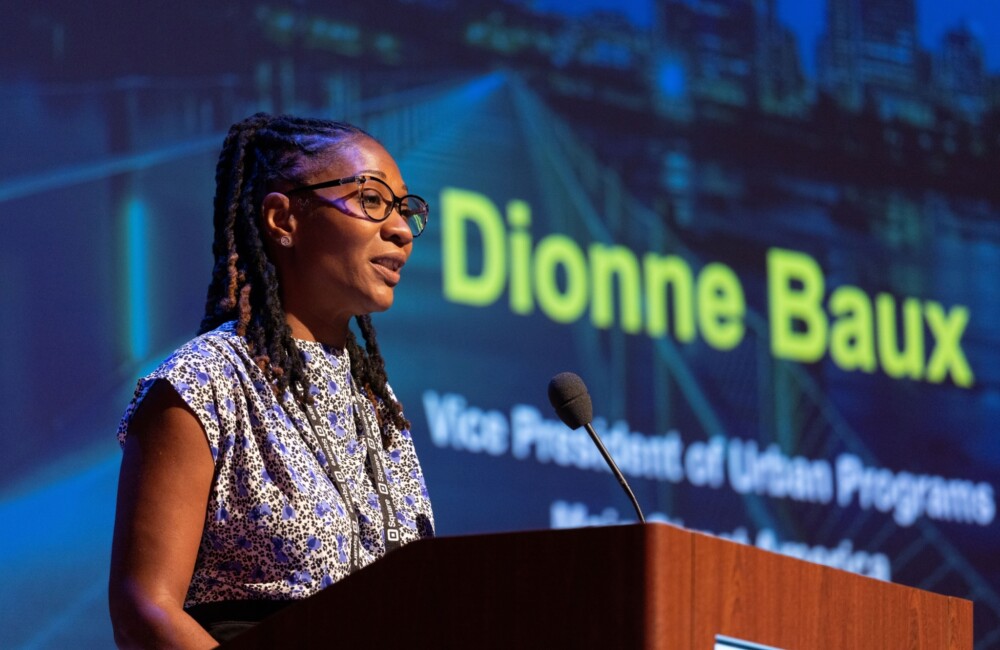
276, 527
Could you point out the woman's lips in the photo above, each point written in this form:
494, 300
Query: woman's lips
389, 267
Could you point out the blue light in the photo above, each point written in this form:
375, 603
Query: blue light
63, 533
137, 277
47, 180
670, 79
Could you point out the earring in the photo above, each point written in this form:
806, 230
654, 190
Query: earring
285, 241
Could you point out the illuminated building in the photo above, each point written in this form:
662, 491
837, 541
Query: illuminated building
869, 55
959, 74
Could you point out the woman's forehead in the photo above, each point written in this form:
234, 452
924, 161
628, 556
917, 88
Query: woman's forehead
362, 156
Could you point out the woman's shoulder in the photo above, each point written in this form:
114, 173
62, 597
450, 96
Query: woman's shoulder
213, 367
219, 340
208, 352
217, 361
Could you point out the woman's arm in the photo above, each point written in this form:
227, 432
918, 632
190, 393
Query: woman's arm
163, 490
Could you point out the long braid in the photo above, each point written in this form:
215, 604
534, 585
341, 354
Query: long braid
375, 376
256, 153
368, 369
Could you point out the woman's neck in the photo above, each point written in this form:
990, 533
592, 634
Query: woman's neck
333, 334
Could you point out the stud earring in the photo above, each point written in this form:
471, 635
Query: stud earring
285, 241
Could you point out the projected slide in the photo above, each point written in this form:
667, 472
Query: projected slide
764, 233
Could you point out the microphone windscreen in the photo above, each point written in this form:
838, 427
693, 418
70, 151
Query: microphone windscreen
569, 397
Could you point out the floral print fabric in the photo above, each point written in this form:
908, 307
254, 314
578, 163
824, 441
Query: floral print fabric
276, 527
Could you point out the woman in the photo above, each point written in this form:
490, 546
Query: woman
268, 457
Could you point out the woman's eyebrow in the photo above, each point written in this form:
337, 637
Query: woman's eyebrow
375, 172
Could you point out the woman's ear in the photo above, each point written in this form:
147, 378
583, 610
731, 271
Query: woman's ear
279, 221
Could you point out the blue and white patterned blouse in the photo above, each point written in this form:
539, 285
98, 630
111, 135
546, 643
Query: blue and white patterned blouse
276, 527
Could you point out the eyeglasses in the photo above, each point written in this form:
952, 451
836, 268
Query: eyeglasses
375, 200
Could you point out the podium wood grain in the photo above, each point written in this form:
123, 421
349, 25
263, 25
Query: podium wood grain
650, 586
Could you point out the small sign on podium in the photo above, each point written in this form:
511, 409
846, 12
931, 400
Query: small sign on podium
730, 643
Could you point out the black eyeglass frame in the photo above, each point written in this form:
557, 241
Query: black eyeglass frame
396, 203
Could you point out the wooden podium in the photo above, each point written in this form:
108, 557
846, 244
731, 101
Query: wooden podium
637, 586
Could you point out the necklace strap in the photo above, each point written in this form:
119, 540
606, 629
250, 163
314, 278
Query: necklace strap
363, 412
339, 479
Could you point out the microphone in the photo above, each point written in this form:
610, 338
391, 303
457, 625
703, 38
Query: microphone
569, 397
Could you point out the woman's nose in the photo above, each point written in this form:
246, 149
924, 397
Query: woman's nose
396, 228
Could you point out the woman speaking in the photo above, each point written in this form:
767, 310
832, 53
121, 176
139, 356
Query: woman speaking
268, 457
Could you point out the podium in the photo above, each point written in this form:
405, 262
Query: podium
636, 586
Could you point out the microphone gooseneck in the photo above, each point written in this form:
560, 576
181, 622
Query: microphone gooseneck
569, 397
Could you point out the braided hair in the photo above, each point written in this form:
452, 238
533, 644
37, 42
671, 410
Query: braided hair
257, 152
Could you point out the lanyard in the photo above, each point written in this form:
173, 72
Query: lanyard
365, 411
360, 407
